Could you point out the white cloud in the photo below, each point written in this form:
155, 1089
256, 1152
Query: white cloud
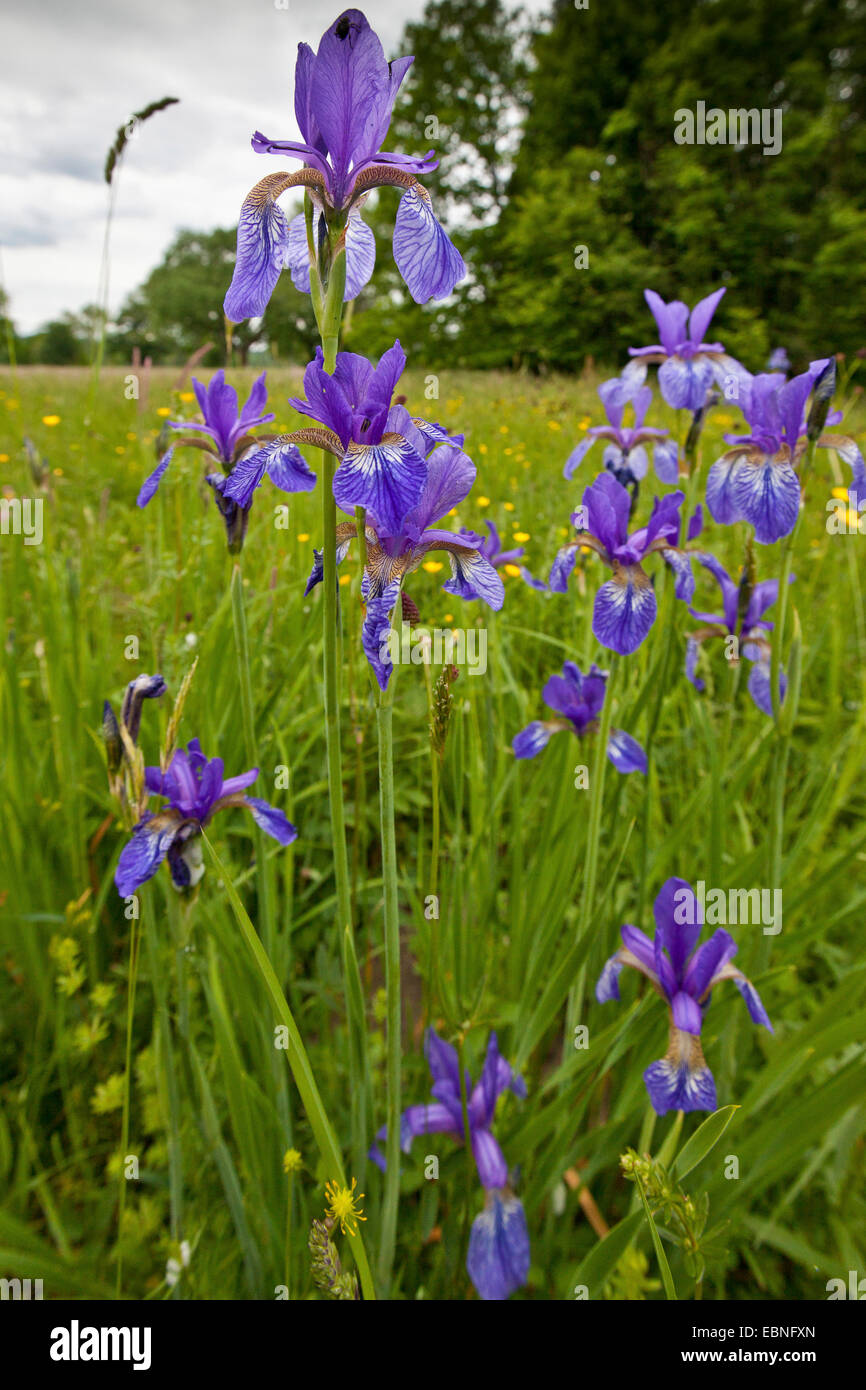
77, 73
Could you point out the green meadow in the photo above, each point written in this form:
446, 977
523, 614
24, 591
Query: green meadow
145, 1110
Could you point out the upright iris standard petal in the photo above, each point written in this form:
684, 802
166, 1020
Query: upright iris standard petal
425, 256
498, 1258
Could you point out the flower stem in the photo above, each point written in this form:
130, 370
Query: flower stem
590, 863
242, 648
134, 946
393, 1003
298, 1061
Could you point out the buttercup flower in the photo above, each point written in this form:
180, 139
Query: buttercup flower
344, 97
195, 789
744, 606
498, 1259
757, 479
688, 364
684, 974
625, 606
226, 436
578, 699
625, 455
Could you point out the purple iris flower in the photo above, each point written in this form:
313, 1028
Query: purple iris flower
625, 606
498, 1259
195, 790
688, 364
757, 479
625, 455
448, 475
744, 607
684, 976
381, 468
578, 699
227, 437
344, 98
779, 361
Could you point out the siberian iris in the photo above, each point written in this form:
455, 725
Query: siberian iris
745, 604
226, 436
757, 479
688, 365
578, 700
404, 472
344, 98
498, 1259
684, 974
625, 606
625, 454
194, 789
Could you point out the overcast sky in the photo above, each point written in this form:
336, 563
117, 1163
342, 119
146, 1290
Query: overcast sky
75, 71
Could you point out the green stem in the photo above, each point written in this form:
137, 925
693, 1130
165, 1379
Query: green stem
134, 946
590, 863
242, 648
298, 1061
393, 1005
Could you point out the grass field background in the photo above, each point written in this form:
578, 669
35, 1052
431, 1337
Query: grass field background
213, 1108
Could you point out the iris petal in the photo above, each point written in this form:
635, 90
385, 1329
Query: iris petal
498, 1258
425, 256
624, 610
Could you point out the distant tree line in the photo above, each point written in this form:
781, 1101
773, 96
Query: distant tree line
566, 191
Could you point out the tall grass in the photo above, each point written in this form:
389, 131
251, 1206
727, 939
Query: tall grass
507, 848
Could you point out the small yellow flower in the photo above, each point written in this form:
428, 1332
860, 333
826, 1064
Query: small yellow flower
509, 506
521, 536
841, 493
303, 536
119, 449
508, 451
187, 396
503, 429
483, 501
58, 472
554, 425
163, 410
51, 420
292, 1161
345, 579
132, 436
432, 566
343, 1207
4, 458
585, 423
482, 448
513, 570
449, 618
